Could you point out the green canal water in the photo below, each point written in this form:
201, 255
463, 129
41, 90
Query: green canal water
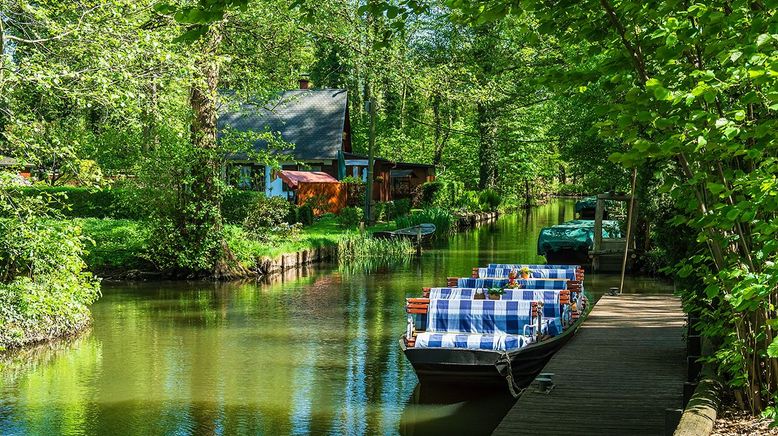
314, 352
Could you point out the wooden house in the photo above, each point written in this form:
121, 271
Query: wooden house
316, 122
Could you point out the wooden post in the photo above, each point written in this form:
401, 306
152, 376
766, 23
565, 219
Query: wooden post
598, 213
630, 218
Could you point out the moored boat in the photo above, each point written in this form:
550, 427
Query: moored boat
421, 231
457, 335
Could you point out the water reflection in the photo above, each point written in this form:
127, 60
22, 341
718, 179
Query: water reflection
315, 352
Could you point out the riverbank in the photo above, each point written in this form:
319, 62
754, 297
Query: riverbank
119, 249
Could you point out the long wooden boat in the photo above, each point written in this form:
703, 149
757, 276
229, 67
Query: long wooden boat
423, 231
493, 354
514, 369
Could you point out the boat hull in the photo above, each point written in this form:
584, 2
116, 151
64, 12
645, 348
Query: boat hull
481, 367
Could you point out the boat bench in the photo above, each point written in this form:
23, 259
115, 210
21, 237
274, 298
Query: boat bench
575, 286
488, 318
532, 266
471, 341
504, 273
556, 303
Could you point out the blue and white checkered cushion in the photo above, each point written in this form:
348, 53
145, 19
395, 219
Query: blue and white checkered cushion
531, 266
550, 299
523, 284
471, 341
478, 316
454, 293
538, 273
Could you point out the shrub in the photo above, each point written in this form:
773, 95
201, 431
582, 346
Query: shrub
428, 192
305, 215
469, 201
489, 199
445, 222
350, 217
442, 194
571, 189
318, 203
79, 202
352, 179
44, 288
237, 204
384, 211
402, 207
265, 216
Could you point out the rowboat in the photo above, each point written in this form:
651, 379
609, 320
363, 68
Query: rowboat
456, 335
422, 231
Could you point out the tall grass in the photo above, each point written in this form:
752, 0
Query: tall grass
445, 222
356, 252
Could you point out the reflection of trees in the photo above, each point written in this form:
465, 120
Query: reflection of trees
47, 382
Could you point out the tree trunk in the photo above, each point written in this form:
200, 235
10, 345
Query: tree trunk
487, 147
206, 188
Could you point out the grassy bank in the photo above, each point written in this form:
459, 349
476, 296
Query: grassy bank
121, 245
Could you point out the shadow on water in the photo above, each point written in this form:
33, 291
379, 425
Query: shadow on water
441, 409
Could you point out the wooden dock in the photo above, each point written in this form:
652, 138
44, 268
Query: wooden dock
617, 376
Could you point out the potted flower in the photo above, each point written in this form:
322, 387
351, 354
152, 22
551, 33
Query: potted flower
495, 293
479, 295
512, 276
525, 272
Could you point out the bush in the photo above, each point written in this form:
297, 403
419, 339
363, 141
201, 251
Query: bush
304, 215
571, 189
78, 202
350, 217
469, 201
128, 203
489, 199
44, 288
384, 211
265, 216
237, 204
442, 194
402, 207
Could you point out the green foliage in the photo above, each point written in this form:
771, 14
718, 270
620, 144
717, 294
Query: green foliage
350, 217
353, 180
238, 204
78, 202
304, 214
445, 222
44, 290
116, 245
489, 199
265, 215
440, 193
572, 189
402, 207
384, 210
688, 100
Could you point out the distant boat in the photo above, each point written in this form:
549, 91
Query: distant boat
423, 231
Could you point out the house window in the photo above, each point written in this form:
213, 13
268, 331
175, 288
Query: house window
246, 176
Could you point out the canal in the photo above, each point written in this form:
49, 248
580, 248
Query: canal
313, 352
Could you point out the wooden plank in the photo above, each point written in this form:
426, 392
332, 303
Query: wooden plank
616, 376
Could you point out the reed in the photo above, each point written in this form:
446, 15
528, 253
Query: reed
356, 252
445, 222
